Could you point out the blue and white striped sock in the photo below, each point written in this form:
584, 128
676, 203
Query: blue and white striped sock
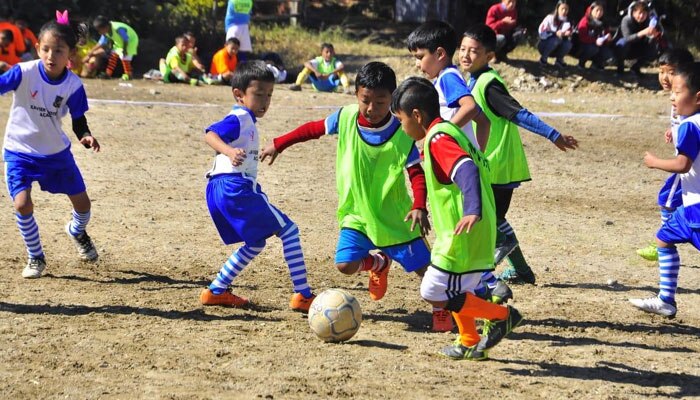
234, 266
505, 228
294, 256
30, 234
79, 222
669, 265
489, 279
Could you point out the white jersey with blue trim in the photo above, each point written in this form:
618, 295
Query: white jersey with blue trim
447, 112
247, 139
689, 144
38, 105
675, 123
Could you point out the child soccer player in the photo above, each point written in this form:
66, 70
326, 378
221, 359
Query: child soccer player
504, 149
224, 61
324, 71
670, 195
374, 207
683, 226
124, 41
179, 67
464, 215
237, 204
37, 149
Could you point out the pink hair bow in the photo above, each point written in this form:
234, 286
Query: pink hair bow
62, 17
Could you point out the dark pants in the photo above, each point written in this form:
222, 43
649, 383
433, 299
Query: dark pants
642, 50
600, 55
554, 46
506, 43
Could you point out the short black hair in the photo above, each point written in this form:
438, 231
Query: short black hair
376, 75
416, 93
100, 21
233, 40
483, 34
691, 75
249, 71
327, 45
431, 35
61, 31
9, 36
676, 57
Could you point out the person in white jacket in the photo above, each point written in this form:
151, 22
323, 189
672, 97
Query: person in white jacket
555, 35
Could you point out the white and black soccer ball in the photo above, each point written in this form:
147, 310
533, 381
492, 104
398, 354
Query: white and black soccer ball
335, 315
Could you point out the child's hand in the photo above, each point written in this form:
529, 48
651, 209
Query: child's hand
236, 155
89, 142
419, 216
650, 159
269, 151
668, 135
466, 223
566, 142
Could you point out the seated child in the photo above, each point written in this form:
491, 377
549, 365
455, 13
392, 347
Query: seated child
223, 64
120, 41
594, 38
192, 48
83, 64
458, 180
503, 19
555, 35
683, 226
8, 54
178, 66
30, 39
276, 65
325, 72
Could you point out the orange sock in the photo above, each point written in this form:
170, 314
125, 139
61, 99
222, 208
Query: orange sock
477, 307
127, 67
112, 63
468, 335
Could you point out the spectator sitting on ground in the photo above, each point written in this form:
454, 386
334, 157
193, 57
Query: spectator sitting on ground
503, 19
30, 40
325, 72
594, 38
83, 64
225, 60
8, 56
638, 35
276, 65
555, 35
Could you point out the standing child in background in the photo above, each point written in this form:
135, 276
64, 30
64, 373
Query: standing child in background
457, 177
555, 35
375, 210
594, 38
503, 19
237, 204
37, 149
224, 62
324, 71
124, 44
670, 195
237, 25
505, 150
683, 226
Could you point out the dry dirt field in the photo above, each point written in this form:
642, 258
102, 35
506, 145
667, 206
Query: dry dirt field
131, 326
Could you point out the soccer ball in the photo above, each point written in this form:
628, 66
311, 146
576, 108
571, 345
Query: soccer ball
335, 315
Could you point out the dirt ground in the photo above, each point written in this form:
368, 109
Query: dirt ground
131, 326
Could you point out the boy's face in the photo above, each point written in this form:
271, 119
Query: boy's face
374, 103
666, 74
472, 55
256, 97
327, 53
232, 49
597, 12
686, 102
103, 30
411, 124
640, 15
181, 46
430, 63
509, 4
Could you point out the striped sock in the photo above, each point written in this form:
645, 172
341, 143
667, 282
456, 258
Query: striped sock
489, 279
30, 234
669, 266
127, 67
294, 256
79, 222
112, 63
233, 267
373, 262
505, 228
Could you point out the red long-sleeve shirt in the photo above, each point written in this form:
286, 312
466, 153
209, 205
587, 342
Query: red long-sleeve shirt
495, 15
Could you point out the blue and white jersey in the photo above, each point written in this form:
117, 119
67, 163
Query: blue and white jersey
374, 136
689, 145
38, 105
675, 123
237, 130
451, 87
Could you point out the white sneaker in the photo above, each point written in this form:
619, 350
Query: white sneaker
655, 305
82, 242
34, 268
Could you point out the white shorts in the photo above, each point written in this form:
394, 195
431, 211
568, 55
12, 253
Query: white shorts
438, 285
241, 33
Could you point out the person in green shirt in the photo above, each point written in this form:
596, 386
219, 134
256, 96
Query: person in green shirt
121, 39
464, 219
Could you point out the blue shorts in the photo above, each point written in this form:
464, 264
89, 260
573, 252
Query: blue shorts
241, 211
354, 246
57, 173
671, 195
325, 85
677, 230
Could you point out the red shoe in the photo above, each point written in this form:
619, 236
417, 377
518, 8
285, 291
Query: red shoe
301, 303
226, 298
442, 321
378, 281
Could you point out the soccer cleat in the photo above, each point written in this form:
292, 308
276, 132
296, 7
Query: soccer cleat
378, 281
442, 321
35, 267
656, 306
495, 331
227, 299
504, 248
82, 242
501, 293
513, 276
649, 253
126, 77
300, 303
295, 88
458, 351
